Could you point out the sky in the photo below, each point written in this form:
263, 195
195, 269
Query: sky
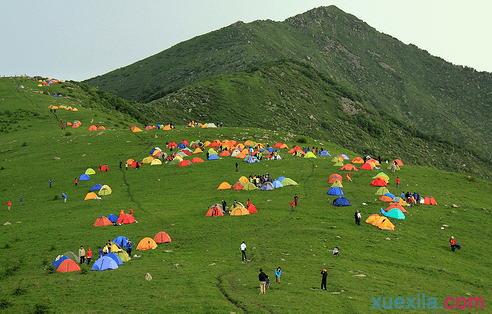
77, 40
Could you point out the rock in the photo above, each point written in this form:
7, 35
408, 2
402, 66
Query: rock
7, 223
338, 237
447, 226
388, 238
57, 158
148, 277
455, 206
360, 275
211, 264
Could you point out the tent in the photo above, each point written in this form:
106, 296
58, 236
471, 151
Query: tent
429, 200
181, 145
105, 190
381, 174
267, 186
184, 163
121, 241
115, 257
337, 183
358, 160
325, 153
68, 265
395, 213
378, 182
349, 167
58, 260
102, 221
395, 205
136, 129
91, 196
372, 218
112, 218
95, 187
104, 263
92, 128
126, 219
238, 186
277, 184
104, 168
249, 187
162, 237
398, 162
252, 160
90, 171
334, 177
288, 181
367, 166
334, 190
196, 159
225, 153
243, 180
123, 255
224, 186
84, 177
252, 209
341, 201
147, 160
239, 211
386, 198
156, 162
310, 155
72, 256
338, 164
382, 190
213, 157
146, 244
214, 211
386, 224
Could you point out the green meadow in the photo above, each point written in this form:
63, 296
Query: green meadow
201, 270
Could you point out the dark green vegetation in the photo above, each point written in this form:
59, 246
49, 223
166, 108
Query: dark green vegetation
201, 271
225, 74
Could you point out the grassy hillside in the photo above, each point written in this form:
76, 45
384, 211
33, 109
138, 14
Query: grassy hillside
407, 82
200, 270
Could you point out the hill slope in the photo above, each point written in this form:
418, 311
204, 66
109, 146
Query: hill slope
425, 91
201, 270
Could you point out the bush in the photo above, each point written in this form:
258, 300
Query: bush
19, 291
68, 133
50, 269
42, 308
4, 303
24, 144
301, 139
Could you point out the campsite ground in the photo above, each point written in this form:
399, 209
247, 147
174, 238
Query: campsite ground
201, 270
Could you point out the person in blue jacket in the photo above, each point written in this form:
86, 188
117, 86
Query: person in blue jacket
278, 272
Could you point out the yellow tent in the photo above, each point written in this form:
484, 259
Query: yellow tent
386, 225
311, 155
135, 129
147, 160
167, 127
244, 180
91, 196
224, 186
197, 151
249, 187
156, 162
372, 218
90, 171
337, 183
239, 211
105, 190
338, 163
146, 244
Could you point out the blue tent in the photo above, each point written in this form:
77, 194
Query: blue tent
253, 159
121, 241
181, 145
389, 194
57, 263
280, 179
325, 153
277, 184
383, 212
395, 213
344, 156
262, 149
84, 177
341, 201
112, 218
96, 187
335, 190
271, 150
267, 186
213, 157
115, 257
104, 263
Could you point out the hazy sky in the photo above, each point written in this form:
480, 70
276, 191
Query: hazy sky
74, 39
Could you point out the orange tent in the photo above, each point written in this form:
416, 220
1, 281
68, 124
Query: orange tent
386, 198
358, 160
349, 167
146, 244
225, 153
102, 221
92, 128
214, 212
238, 186
184, 163
224, 186
125, 219
367, 166
162, 237
372, 218
101, 128
398, 162
378, 182
196, 159
395, 205
429, 200
68, 265
335, 177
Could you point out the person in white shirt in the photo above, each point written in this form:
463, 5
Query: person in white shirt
243, 251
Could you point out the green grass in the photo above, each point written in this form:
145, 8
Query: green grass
210, 277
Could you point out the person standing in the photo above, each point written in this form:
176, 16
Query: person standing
237, 165
224, 205
50, 182
324, 273
21, 200
64, 197
296, 198
129, 246
76, 181
397, 182
359, 217
278, 272
89, 256
243, 251
263, 278
292, 204
452, 241
81, 255
121, 163
9, 204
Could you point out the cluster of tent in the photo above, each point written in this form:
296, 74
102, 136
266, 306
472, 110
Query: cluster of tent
97, 190
48, 82
151, 127
69, 108
244, 184
336, 190
192, 124
111, 220
239, 210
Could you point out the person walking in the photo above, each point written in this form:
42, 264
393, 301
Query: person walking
324, 273
64, 197
263, 278
76, 181
397, 182
21, 200
9, 204
296, 198
452, 241
243, 251
50, 182
89, 256
278, 272
81, 255
292, 204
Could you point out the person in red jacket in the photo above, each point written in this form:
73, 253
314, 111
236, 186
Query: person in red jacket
397, 181
452, 241
89, 256
9, 204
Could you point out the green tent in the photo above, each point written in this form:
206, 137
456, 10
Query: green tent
382, 190
249, 187
123, 255
288, 181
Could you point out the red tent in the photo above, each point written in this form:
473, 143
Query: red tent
214, 211
378, 182
68, 265
335, 177
252, 209
162, 237
104, 168
172, 144
184, 163
102, 221
197, 159
125, 219
429, 200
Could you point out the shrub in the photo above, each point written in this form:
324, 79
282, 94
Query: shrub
301, 139
4, 303
68, 133
24, 144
